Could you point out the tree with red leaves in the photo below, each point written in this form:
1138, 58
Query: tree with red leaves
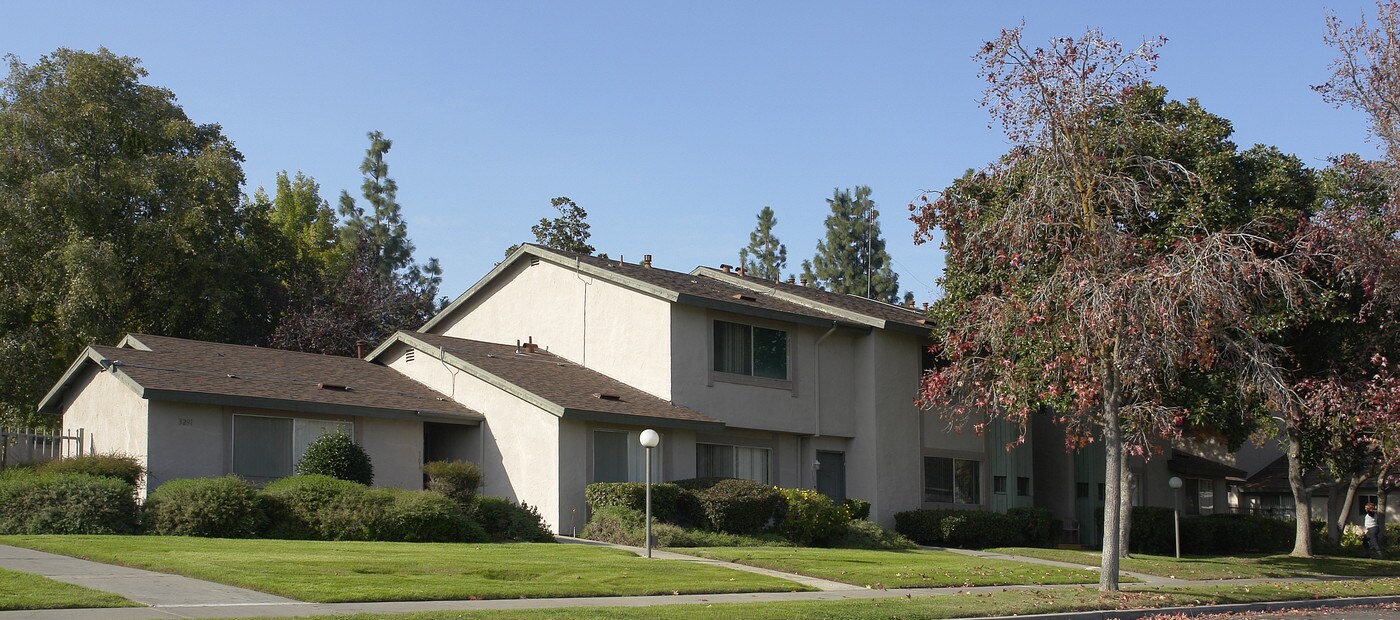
1070, 292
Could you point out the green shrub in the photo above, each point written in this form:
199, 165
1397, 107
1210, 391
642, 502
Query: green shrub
862, 534
975, 529
32, 503
857, 509
212, 507
426, 516
295, 505
921, 526
1221, 534
811, 518
338, 456
1152, 531
1037, 527
617, 525
459, 480
669, 502
698, 484
120, 466
507, 521
742, 506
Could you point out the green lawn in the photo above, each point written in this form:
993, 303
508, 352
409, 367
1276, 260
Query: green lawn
358, 571
1224, 567
1004, 603
896, 569
25, 591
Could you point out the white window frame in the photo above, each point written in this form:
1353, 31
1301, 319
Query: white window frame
953, 462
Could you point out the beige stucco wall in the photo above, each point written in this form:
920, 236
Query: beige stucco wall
619, 332
522, 443
112, 416
396, 448
187, 441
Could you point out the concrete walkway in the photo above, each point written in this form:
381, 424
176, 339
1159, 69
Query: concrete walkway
172, 596
1155, 580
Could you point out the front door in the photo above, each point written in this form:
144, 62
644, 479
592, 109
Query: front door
831, 475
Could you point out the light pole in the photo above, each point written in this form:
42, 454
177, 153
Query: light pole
649, 440
1175, 483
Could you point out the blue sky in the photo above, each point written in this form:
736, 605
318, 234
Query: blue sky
671, 123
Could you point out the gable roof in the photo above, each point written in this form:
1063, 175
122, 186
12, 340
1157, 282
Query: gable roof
853, 307
552, 383
695, 289
160, 368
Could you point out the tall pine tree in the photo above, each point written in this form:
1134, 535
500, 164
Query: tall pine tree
764, 257
852, 258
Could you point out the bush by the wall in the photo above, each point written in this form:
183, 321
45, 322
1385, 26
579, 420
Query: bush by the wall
618, 525
1152, 531
426, 516
338, 456
214, 507
742, 506
670, 502
922, 526
857, 508
120, 466
294, 505
1038, 527
1221, 534
32, 503
862, 534
507, 521
811, 518
459, 480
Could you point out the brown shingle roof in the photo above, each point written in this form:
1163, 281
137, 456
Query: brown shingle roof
193, 371
674, 286
898, 315
554, 383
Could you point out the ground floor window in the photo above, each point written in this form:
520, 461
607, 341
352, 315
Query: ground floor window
952, 481
721, 461
1199, 495
266, 447
618, 456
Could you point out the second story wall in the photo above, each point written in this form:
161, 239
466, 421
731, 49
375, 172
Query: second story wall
753, 396
614, 330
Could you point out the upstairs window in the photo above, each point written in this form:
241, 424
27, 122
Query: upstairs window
753, 351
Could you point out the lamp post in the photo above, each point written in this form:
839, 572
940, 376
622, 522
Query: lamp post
649, 440
1175, 483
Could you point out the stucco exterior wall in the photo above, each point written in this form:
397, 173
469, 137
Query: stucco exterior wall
613, 330
186, 441
522, 443
888, 441
396, 448
112, 416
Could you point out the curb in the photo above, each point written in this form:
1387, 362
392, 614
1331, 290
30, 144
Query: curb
1203, 610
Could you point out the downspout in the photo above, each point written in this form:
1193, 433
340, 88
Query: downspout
578, 273
817, 405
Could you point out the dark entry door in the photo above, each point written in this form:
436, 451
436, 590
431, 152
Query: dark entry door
831, 475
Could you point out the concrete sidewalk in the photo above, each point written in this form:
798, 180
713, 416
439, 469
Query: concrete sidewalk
171, 596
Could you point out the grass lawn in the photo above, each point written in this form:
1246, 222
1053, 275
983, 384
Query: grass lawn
1005, 603
1224, 567
327, 572
895, 569
25, 591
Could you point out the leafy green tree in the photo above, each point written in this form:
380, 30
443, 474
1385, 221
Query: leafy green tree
382, 226
852, 258
117, 213
769, 257
567, 233
305, 219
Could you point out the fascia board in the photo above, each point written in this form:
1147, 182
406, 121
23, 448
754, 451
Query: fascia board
481, 373
253, 402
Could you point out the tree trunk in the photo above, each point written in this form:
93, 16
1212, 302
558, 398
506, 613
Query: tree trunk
1302, 503
1113, 466
1343, 515
1125, 511
1383, 488
1334, 508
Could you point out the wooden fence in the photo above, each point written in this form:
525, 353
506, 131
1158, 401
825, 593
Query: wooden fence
37, 445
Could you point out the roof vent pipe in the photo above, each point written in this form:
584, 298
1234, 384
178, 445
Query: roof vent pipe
792, 278
741, 272
804, 280
360, 349
725, 268
646, 261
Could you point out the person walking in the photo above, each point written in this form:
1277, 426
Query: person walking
1372, 540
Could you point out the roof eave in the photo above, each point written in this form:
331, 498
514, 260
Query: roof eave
469, 368
54, 398
300, 406
609, 417
849, 315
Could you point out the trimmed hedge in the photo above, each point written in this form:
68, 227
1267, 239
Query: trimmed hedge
213, 507
1221, 534
670, 502
65, 503
120, 466
507, 521
294, 505
338, 456
742, 506
862, 534
459, 480
976, 529
396, 515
